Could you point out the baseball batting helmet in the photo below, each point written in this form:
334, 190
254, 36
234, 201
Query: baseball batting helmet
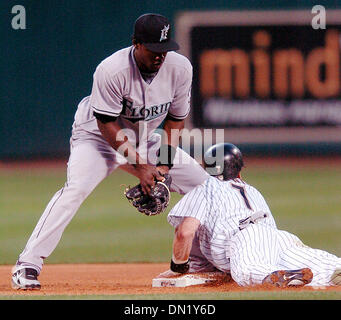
223, 160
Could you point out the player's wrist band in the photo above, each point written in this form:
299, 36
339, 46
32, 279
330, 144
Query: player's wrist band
180, 268
166, 155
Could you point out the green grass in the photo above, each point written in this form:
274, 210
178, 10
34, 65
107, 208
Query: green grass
105, 229
305, 202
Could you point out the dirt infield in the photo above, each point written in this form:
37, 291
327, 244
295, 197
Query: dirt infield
112, 279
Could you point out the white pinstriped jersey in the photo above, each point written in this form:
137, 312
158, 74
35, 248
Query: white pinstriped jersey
219, 205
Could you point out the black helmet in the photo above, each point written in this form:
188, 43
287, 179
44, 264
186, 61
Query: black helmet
223, 160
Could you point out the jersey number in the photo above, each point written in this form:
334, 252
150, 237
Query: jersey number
242, 192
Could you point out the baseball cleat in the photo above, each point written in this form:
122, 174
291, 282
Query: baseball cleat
336, 277
289, 278
25, 278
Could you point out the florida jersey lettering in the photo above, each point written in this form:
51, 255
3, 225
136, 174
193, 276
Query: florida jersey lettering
136, 113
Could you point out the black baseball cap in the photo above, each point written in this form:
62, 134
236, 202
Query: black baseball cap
154, 32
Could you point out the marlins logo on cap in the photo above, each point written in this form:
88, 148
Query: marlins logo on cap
164, 32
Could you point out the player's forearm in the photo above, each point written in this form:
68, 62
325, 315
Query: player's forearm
116, 137
182, 243
172, 131
169, 143
181, 248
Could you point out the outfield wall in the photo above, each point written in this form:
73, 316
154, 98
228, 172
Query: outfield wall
47, 67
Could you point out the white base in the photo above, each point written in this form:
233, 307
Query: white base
185, 280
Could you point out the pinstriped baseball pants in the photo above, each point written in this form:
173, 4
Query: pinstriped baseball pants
258, 250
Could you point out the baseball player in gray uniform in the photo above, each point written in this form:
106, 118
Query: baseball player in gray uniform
234, 232
135, 91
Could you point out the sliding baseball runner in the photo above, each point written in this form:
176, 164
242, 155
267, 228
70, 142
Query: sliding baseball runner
237, 232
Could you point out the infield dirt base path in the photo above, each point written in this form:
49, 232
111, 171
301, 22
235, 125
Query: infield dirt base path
111, 279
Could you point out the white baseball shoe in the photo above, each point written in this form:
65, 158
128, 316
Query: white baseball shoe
25, 278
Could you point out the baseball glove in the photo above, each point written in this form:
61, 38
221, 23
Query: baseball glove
152, 204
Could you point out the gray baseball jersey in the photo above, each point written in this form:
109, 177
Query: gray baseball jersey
119, 90
249, 250
140, 107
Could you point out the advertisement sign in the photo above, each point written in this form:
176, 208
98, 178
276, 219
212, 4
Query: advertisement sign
264, 69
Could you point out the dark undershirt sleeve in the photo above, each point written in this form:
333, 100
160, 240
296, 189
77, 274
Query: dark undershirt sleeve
104, 118
169, 117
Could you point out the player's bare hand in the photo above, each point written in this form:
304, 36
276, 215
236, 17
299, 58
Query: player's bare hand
169, 274
163, 170
147, 175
